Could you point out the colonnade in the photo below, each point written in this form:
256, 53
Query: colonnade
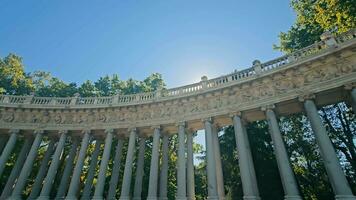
70, 182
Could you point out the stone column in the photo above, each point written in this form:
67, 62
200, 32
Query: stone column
353, 98
247, 172
75, 181
115, 171
3, 140
336, 176
37, 185
219, 170
139, 170
27, 167
164, 169
181, 165
190, 167
69, 162
99, 189
16, 169
91, 171
52, 171
210, 158
8, 149
289, 182
152, 186
126, 183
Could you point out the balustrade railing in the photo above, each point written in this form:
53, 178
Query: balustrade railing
258, 68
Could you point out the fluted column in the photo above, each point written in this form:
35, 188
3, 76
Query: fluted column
219, 170
91, 171
181, 165
247, 172
8, 149
353, 99
115, 171
289, 182
190, 168
152, 186
164, 168
139, 170
99, 189
69, 163
336, 176
211, 164
52, 171
126, 183
27, 167
6, 192
37, 185
75, 181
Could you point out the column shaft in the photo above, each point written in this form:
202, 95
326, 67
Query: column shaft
152, 186
52, 171
181, 165
139, 170
248, 177
69, 163
99, 189
16, 169
3, 141
91, 171
353, 99
75, 181
7, 150
190, 168
289, 182
219, 170
37, 185
126, 183
115, 171
211, 165
27, 167
164, 169
336, 176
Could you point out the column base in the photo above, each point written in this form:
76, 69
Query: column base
345, 197
152, 198
181, 198
124, 198
136, 198
213, 198
43, 198
294, 197
97, 198
71, 198
164, 198
190, 198
15, 197
251, 197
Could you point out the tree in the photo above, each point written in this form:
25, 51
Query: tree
315, 17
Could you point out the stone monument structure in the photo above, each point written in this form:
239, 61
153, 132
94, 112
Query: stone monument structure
320, 74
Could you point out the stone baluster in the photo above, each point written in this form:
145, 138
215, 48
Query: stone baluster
52, 171
190, 167
126, 183
37, 185
210, 158
8, 149
115, 171
99, 189
181, 164
17, 168
247, 172
219, 171
153, 180
75, 181
69, 163
289, 182
164, 168
139, 170
27, 167
336, 176
91, 171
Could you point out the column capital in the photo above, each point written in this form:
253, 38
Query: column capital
156, 127
233, 114
350, 86
38, 132
132, 129
107, 131
63, 132
86, 131
181, 123
16, 131
268, 107
306, 96
209, 119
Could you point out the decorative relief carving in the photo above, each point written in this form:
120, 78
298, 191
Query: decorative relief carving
274, 85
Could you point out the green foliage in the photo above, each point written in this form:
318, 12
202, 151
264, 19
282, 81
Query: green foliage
315, 17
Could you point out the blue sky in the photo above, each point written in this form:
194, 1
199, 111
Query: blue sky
182, 40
